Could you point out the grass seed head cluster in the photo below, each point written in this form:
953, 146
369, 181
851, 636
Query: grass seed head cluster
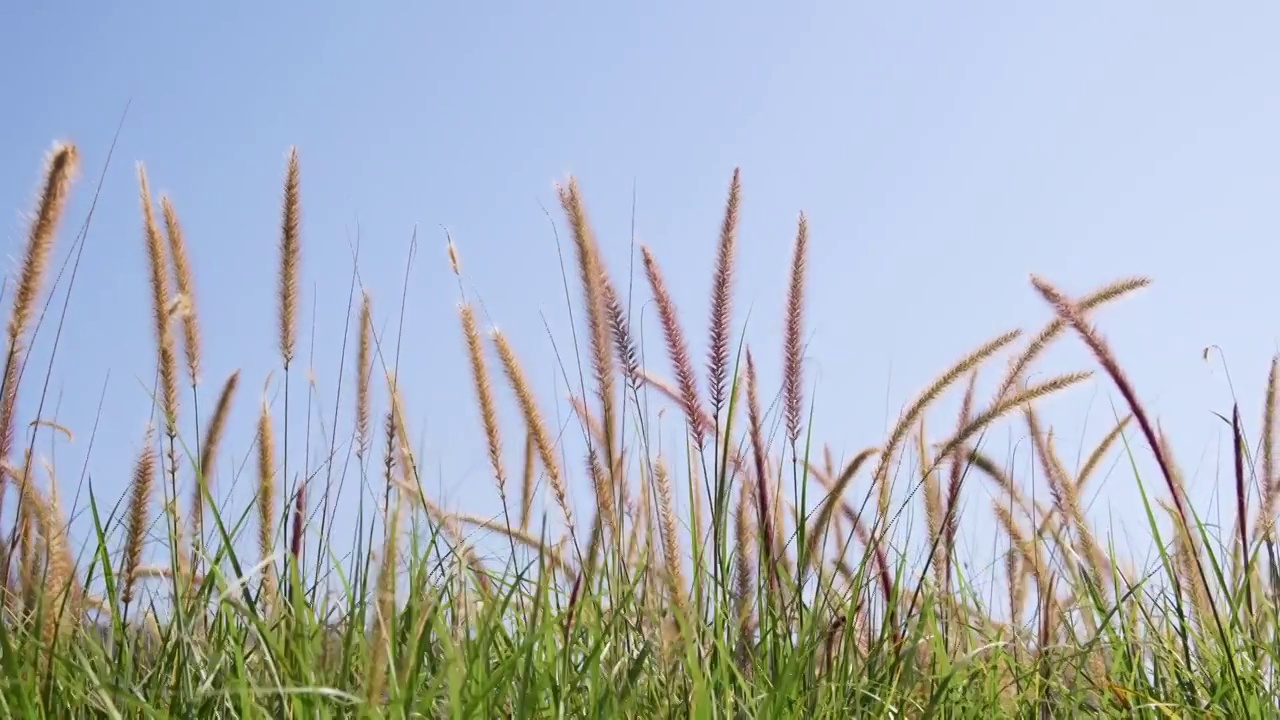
786, 589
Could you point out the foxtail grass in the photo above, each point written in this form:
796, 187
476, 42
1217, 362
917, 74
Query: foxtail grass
673, 572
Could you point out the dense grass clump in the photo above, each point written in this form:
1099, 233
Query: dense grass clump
782, 594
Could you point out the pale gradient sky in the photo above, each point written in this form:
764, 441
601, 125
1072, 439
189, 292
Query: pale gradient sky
942, 154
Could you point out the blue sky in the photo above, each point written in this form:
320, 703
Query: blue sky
942, 154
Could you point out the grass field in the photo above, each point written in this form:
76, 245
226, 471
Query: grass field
791, 597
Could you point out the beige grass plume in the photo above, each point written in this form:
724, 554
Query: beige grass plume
792, 350
670, 541
744, 586
157, 261
266, 500
722, 299
591, 268
606, 512
677, 349
289, 258
60, 170
31, 570
1270, 482
760, 455
144, 472
484, 396
533, 420
527, 480
364, 370
185, 285
623, 341
454, 263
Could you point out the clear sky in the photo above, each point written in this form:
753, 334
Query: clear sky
942, 154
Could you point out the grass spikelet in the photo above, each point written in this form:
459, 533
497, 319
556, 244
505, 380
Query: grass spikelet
759, 455
591, 268
604, 494
933, 505
296, 535
674, 570
1242, 519
60, 170
266, 501
484, 396
791, 374
398, 430
526, 480
167, 358
722, 300
364, 371
1017, 586
1270, 481
677, 349
52, 425
454, 263
32, 569
185, 286
642, 526
782, 509
290, 251
745, 566
594, 541
697, 522
143, 481
533, 420
623, 341
8, 403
